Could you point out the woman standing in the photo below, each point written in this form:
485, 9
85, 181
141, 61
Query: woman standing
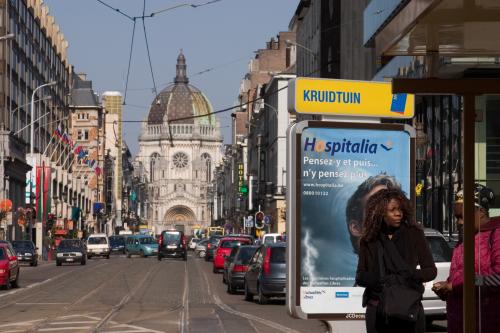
487, 265
389, 224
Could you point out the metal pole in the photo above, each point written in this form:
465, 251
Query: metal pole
469, 309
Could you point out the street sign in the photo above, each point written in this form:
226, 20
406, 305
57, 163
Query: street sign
249, 222
330, 167
329, 97
267, 220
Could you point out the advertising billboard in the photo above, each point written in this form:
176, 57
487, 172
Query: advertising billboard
335, 167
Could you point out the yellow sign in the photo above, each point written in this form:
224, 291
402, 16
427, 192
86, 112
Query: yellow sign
330, 97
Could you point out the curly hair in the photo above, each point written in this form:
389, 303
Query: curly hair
376, 208
354, 214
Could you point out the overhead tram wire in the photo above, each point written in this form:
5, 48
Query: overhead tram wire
117, 10
147, 48
129, 62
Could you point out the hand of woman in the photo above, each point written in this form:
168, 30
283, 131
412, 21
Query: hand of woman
442, 289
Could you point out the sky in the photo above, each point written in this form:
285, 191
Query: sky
220, 37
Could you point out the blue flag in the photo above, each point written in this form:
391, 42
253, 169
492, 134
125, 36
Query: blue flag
398, 103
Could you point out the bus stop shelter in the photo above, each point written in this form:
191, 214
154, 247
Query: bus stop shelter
465, 29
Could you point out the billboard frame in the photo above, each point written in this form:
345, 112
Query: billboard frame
293, 199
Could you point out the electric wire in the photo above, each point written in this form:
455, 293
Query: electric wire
147, 48
129, 62
117, 10
143, 17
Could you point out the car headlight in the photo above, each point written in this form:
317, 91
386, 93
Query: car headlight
59, 255
78, 254
28, 254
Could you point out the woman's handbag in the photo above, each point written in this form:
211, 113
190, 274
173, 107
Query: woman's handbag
397, 300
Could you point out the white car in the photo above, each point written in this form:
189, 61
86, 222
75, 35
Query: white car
193, 242
434, 308
98, 245
201, 248
272, 238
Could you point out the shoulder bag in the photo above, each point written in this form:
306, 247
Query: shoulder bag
397, 300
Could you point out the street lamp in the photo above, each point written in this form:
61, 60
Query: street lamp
39, 235
314, 54
32, 134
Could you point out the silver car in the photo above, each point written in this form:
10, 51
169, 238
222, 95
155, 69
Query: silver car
201, 248
434, 308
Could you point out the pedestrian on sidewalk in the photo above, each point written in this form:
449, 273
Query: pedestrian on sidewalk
391, 247
487, 267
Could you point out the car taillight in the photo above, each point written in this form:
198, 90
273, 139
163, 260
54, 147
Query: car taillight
266, 266
240, 268
160, 240
209, 246
183, 241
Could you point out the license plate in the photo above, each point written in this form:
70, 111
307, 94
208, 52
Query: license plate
171, 246
69, 259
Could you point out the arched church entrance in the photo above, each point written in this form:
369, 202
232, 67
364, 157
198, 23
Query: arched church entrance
181, 218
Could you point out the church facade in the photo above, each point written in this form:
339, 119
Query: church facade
180, 144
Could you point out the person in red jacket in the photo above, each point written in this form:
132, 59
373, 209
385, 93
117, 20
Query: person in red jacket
487, 267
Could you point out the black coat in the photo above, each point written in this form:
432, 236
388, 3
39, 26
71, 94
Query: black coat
413, 248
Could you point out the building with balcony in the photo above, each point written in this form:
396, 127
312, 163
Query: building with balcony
87, 131
35, 56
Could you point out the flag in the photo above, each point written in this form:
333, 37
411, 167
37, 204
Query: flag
43, 183
398, 103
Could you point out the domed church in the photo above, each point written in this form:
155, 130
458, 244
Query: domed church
180, 144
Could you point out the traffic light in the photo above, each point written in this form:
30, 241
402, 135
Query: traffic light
259, 220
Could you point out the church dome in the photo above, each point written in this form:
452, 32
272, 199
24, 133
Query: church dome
182, 101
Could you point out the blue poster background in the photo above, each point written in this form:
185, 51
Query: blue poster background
334, 162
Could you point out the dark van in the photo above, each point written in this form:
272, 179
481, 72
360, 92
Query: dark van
172, 243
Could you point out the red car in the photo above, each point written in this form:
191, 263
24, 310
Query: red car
9, 267
226, 244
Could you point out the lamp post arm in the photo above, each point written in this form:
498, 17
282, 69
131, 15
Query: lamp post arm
32, 134
32, 123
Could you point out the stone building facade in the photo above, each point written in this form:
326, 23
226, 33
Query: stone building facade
179, 145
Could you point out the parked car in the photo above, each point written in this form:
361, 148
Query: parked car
71, 251
213, 242
272, 238
117, 244
9, 244
142, 245
434, 308
266, 274
201, 248
172, 243
98, 245
193, 242
238, 267
26, 252
9, 267
224, 249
